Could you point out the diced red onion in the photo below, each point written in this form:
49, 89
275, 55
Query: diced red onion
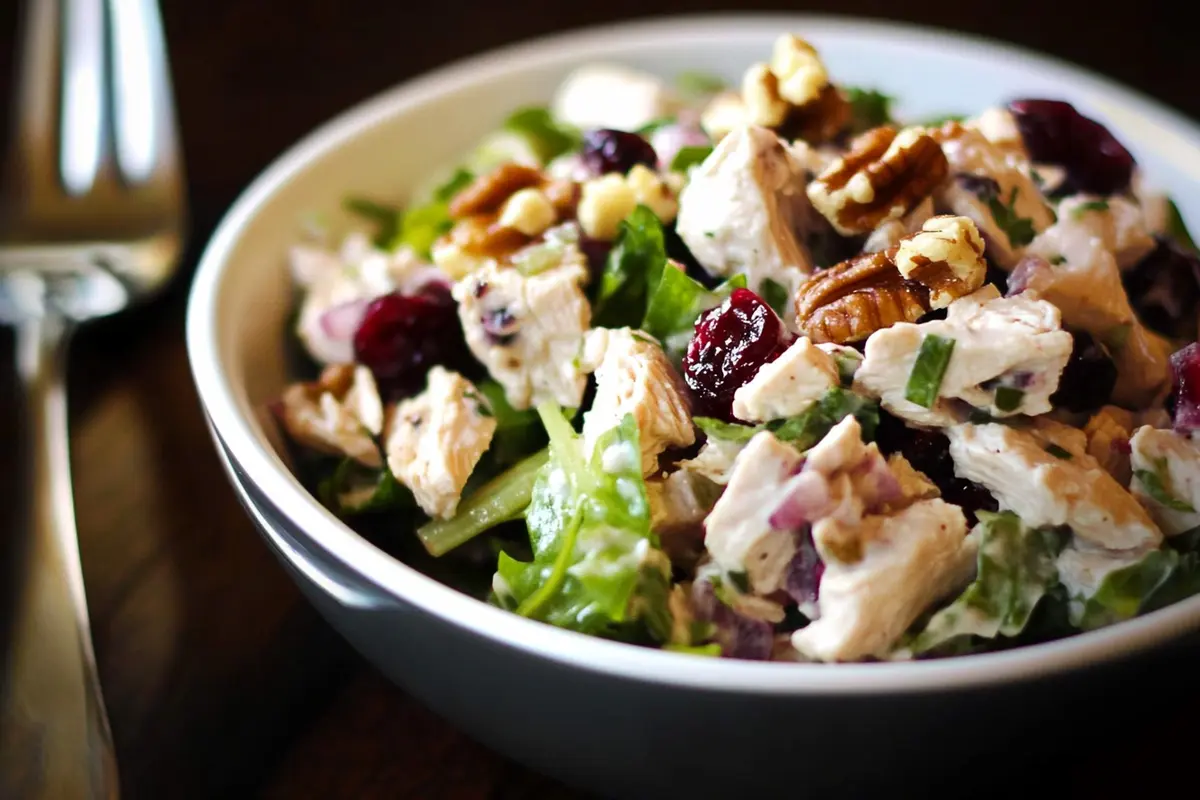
1026, 272
875, 482
668, 140
807, 499
341, 321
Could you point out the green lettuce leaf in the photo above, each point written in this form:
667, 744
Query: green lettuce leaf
1016, 568
548, 137
868, 108
675, 304
596, 566
803, 430
354, 489
385, 218
631, 274
1124, 593
518, 433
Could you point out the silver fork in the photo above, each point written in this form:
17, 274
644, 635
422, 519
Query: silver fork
91, 220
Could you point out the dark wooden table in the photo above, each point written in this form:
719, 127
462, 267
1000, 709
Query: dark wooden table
221, 682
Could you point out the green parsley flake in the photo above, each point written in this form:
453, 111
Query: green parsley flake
1083, 209
928, 370
1156, 481
1019, 230
1009, 398
1058, 259
1058, 452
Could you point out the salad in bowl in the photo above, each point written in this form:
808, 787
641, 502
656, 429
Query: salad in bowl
763, 372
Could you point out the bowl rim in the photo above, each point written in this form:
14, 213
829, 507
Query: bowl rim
234, 425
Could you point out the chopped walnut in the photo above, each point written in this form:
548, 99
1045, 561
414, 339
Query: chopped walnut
884, 176
338, 414
851, 300
1108, 433
946, 255
487, 193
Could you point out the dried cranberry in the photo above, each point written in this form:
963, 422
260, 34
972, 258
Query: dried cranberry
1164, 289
596, 252
1054, 132
402, 336
731, 342
929, 452
606, 150
1185, 395
1087, 382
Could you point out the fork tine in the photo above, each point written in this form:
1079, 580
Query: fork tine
32, 166
81, 131
146, 138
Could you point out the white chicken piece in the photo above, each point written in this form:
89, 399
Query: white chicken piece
339, 414
528, 331
636, 377
788, 385
1002, 199
744, 210
1043, 488
1014, 342
999, 127
891, 232
1108, 432
1167, 464
338, 286
1119, 224
602, 95
738, 533
774, 491
715, 460
1076, 272
881, 574
434, 440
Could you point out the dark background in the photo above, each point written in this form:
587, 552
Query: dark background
220, 681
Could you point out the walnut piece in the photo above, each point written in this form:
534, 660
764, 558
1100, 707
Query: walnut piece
338, 414
926, 270
487, 193
851, 300
946, 255
885, 175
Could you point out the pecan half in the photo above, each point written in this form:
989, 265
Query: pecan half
851, 300
487, 193
946, 256
884, 176
482, 236
820, 120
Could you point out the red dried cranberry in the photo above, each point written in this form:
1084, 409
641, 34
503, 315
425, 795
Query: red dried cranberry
1185, 395
732, 341
402, 336
1088, 380
1054, 132
606, 150
929, 452
1164, 289
596, 252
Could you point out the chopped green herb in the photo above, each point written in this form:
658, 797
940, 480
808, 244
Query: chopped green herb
1058, 452
699, 83
928, 370
740, 581
460, 180
546, 135
775, 294
1156, 481
1009, 398
868, 108
1177, 228
1057, 259
386, 217
710, 234
1019, 229
689, 156
1083, 209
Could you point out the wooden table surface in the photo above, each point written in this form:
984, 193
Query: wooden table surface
221, 682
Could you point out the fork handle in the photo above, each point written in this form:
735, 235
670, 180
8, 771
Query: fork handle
54, 736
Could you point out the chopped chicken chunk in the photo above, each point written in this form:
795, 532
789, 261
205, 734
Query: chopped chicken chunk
881, 574
1015, 343
1045, 489
339, 414
788, 385
744, 208
528, 331
612, 96
434, 440
1108, 432
715, 460
636, 377
1118, 224
985, 181
1171, 462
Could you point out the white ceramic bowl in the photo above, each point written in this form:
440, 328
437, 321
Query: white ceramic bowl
616, 718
